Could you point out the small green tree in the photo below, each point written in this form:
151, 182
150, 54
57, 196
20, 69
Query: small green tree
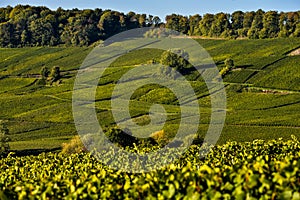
229, 63
45, 72
55, 74
175, 58
4, 139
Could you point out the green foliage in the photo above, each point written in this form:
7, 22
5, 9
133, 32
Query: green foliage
283, 75
41, 117
39, 26
55, 74
120, 137
45, 72
175, 58
229, 63
234, 170
177, 23
125, 138
224, 71
4, 146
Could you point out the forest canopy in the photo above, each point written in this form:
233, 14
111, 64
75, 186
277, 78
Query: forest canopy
25, 25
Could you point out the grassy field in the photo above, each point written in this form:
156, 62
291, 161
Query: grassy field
262, 94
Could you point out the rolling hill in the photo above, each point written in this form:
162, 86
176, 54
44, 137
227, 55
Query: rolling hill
262, 92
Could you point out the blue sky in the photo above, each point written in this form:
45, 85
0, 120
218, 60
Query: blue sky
164, 7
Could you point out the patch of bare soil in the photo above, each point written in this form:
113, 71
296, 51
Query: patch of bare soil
295, 52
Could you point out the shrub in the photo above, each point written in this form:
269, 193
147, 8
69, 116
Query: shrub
120, 137
45, 73
160, 137
175, 58
55, 74
74, 146
224, 71
229, 63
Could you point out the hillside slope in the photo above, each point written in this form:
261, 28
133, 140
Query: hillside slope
263, 93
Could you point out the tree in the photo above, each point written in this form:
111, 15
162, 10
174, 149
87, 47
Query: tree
55, 74
270, 25
109, 24
256, 25
247, 22
142, 20
220, 25
297, 31
45, 72
39, 26
194, 24
224, 71
6, 32
174, 60
177, 23
237, 20
282, 25
205, 24
292, 21
156, 21
24, 37
229, 63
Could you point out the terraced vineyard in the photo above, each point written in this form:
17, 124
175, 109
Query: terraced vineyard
262, 93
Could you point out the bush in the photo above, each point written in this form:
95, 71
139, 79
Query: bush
175, 58
55, 74
229, 63
74, 146
224, 71
160, 137
45, 73
120, 137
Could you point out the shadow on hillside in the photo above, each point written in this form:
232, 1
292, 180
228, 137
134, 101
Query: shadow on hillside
33, 152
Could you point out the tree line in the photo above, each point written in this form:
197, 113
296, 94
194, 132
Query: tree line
25, 25
252, 25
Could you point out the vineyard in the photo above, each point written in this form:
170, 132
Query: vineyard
262, 105
40, 117
250, 170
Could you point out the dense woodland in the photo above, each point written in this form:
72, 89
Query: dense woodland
39, 26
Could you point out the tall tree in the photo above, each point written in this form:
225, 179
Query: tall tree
6, 32
220, 26
270, 25
282, 25
292, 21
194, 24
177, 23
109, 24
237, 23
257, 25
205, 24
247, 22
